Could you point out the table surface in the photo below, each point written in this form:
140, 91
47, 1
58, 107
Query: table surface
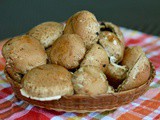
146, 107
18, 16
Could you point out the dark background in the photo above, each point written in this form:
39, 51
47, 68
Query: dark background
18, 16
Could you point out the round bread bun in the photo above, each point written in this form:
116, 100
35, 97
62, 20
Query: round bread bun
23, 53
85, 24
139, 68
68, 51
112, 45
47, 82
96, 56
90, 80
47, 32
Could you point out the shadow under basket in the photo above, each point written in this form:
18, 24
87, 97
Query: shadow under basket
84, 103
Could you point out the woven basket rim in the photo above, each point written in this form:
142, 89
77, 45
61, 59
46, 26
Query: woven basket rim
85, 103
152, 75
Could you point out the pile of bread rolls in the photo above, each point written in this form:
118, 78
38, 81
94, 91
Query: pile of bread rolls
81, 57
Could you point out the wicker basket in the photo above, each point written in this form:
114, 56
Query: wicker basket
81, 104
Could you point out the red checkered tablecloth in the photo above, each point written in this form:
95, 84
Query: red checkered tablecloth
146, 107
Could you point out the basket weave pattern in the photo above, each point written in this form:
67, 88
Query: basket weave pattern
83, 103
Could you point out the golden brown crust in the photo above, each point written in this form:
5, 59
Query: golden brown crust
90, 80
23, 53
139, 69
68, 51
96, 56
85, 25
112, 45
47, 32
48, 81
